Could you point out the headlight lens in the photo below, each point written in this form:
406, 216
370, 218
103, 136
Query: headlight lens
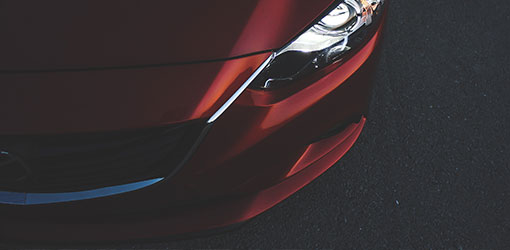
325, 42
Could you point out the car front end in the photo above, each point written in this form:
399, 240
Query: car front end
152, 148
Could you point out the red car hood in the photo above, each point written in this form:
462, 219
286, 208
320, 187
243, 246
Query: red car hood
62, 34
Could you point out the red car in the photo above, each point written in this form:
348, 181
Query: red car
140, 119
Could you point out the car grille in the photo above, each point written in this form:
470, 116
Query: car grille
77, 162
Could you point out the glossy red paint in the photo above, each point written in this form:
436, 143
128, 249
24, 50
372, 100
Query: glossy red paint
259, 147
260, 151
80, 101
317, 150
61, 34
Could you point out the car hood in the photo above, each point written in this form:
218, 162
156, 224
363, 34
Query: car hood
67, 35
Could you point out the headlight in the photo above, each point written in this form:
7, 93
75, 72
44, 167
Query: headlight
342, 29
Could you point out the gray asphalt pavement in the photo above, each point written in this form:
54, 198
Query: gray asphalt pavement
431, 169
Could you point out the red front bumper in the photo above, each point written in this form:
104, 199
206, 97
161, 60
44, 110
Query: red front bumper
177, 221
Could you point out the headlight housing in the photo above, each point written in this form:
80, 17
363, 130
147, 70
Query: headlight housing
342, 29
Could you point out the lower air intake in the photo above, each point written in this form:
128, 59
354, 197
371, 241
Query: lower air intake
77, 162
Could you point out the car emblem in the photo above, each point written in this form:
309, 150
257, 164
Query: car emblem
12, 169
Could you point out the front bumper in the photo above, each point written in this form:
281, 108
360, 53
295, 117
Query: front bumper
180, 220
269, 150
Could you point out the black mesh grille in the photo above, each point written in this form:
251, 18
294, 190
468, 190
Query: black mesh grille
75, 162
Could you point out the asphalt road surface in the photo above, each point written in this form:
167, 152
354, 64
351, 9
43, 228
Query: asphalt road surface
431, 169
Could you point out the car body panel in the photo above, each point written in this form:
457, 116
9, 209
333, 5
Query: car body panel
81, 101
66, 35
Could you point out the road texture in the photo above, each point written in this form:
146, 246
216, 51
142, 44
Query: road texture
431, 169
